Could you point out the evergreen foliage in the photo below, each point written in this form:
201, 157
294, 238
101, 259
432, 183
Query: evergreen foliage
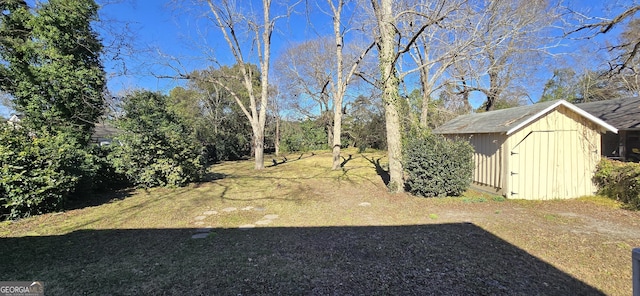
156, 148
51, 64
436, 166
50, 69
364, 125
619, 181
306, 135
38, 173
212, 112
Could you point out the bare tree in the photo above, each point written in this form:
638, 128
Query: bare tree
231, 21
435, 50
342, 79
629, 47
508, 43
628, 58
611, 70
392, 43
306, 70
321, 70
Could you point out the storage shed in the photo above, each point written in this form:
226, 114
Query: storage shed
543, 151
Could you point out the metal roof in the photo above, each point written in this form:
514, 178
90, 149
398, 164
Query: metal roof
624, 113
510, 120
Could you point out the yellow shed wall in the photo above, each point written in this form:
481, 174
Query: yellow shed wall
488, 157
553, 157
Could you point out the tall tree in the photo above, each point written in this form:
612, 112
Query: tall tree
229, 18
306, 70
386, 39
392, 43
562, 86
342, 79
213, 112
590, 85
50, 64
435, 51
321, 70
618, 75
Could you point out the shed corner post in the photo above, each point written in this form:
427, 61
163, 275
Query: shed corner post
635, 257
506, 153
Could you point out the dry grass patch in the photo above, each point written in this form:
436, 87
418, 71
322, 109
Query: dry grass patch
336, 232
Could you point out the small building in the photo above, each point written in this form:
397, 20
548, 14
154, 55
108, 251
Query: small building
548, 150
103, 133
15, 119
623, 114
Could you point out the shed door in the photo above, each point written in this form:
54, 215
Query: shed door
551, 164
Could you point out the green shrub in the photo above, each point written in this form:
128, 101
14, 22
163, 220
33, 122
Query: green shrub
228, 146
155, 148
619, 181
39, 171
436, 166
303, 136
107, 177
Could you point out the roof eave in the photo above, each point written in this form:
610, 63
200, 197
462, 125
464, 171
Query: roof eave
572, 107
469, 133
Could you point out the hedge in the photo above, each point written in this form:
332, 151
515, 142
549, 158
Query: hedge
620, 181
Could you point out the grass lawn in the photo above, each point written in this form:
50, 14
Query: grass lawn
297, 227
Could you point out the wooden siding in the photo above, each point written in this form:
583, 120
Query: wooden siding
488, 157
553, 157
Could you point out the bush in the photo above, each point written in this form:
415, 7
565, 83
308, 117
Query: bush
155, 147
107, 177
303, 136
619, 181
38, 172
228, 147
436, 166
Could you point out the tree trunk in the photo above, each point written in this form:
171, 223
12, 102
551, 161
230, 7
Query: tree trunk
394, 139
264, 83
258, 146
426, 91
340, 87
390, 93
341, 82
330, 130
493, 91
277, 139
337, 130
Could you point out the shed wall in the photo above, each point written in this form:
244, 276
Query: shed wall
553, 157
488, 158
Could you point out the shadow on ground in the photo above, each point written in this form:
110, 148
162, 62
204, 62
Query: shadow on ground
109, 195
96, 199
444, 259
283, 159
384, 174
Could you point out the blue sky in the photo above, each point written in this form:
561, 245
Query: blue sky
177, 33
165, 34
